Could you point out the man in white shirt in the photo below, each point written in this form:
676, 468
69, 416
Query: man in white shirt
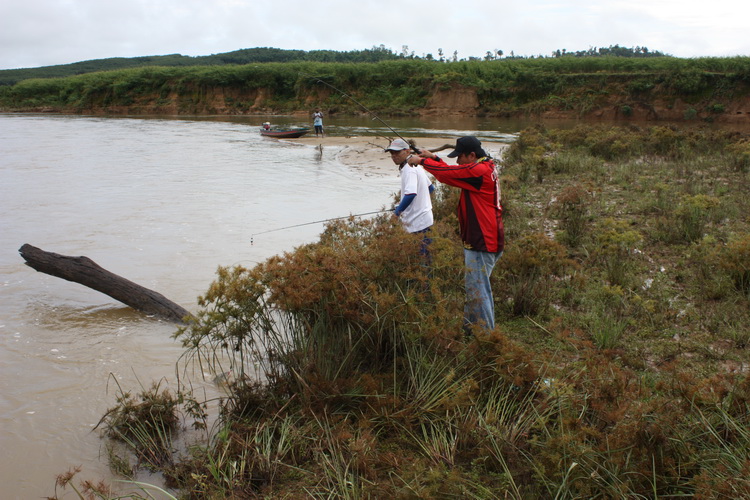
415, 207
318, 122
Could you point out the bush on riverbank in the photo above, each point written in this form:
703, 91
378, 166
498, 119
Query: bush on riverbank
618, 367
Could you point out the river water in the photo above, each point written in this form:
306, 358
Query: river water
161, 202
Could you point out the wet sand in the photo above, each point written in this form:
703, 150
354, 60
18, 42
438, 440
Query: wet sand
366, 154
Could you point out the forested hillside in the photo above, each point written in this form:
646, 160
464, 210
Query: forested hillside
242, 56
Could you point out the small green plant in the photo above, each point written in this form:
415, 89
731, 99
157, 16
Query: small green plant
431, 383
575, 162
737, 330
709, 284
692, 215
740, 153
572, 210
733, 260
688, 218
661, 201
638, 86
606, 322
688, 81
616, 246
146, 424
344, 456
535, 161
605, 331
609, 312
528, 153
529, 268
438, 442
118, 464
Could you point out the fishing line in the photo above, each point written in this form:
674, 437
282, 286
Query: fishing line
376, 117
316, 222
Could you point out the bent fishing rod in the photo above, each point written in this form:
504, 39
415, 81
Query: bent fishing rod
367, 110
316, 222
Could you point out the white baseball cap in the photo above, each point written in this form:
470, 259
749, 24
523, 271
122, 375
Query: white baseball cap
397, 145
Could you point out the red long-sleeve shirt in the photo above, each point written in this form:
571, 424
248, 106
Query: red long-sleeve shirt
480, 216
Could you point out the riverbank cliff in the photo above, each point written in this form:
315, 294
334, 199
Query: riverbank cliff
610, 88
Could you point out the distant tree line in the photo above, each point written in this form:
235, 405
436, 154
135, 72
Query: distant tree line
612, 50
269, 54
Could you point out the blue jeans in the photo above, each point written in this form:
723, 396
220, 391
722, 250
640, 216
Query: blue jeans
424, 252
479, 308
424, 246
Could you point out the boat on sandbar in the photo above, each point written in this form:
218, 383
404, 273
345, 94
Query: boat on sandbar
284, 133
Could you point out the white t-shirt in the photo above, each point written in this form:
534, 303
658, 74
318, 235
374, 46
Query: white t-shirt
418, 215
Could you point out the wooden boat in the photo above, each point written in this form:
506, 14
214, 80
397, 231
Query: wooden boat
291, 133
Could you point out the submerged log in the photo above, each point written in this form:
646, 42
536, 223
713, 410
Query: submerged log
88, 273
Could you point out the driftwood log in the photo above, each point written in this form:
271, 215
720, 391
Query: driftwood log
444, 146
88, 273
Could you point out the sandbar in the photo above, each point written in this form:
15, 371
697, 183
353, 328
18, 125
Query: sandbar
366, 154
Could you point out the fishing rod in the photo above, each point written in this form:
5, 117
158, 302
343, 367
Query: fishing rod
374, 116
316, 222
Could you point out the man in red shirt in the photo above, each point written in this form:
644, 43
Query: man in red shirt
479, 218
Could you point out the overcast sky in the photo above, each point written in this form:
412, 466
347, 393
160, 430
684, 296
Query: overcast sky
46, 32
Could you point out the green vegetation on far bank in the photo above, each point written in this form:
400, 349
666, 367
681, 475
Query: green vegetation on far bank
618, 368
242, 56
270, 54
654, 88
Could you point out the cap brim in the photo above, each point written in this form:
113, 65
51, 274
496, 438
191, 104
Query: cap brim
454, 153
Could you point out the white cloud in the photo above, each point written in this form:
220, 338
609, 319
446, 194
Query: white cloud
44, 32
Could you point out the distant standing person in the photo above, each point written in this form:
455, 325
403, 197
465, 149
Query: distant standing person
479, 218
415, 207
318, 122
